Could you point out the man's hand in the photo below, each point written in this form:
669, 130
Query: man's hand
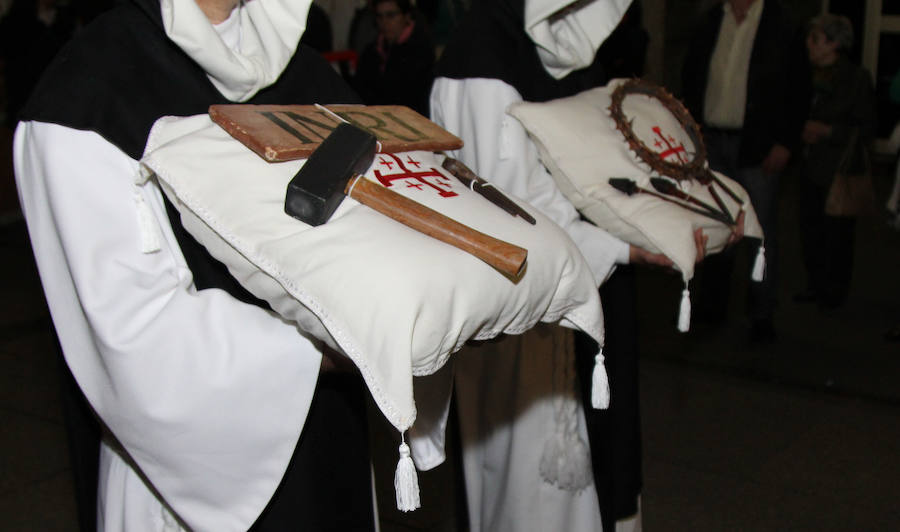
638, 255
700, 241
814, 131
335, 362
776, 160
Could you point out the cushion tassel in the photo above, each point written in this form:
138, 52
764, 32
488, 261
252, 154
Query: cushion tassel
599, 384
406, 481
551, 457
565, 461
759, 265
149, 230
574, 470
684, 313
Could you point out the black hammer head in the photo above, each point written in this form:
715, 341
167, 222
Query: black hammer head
318, 188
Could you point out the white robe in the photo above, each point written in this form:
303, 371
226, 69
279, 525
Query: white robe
504, 389
206, 395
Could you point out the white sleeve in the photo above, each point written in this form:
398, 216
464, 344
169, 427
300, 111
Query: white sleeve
497, 148
207, 395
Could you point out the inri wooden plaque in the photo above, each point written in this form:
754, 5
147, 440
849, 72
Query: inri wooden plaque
287, 132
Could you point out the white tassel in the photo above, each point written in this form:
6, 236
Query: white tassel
684, 313
759, 265
406, 481
551, 457
565, 460
599, 384
574, 469
150, 238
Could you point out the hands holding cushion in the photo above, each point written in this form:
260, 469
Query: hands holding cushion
638, 255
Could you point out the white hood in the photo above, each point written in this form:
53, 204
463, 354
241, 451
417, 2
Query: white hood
569, 43
269, 33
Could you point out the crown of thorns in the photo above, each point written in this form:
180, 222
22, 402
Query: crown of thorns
676, 170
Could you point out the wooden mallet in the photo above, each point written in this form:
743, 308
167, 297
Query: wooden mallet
335, 170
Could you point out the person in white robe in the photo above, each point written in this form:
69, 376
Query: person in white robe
516, 394
203, 397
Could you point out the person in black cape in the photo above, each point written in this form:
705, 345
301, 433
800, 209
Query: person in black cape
183, 389
493, 61
397, 68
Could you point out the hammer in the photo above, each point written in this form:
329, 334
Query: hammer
335, 170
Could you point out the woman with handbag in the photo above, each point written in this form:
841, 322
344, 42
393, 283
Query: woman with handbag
835, 182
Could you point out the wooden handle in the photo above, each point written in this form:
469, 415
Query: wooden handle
506, 258
458, 169
711, 177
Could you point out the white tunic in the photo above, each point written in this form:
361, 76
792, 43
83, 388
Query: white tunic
509, 408
206, 395
508, 405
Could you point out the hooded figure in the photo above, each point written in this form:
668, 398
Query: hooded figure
214, 409
508, 51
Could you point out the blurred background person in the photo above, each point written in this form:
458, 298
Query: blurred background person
746, 80
398, 67
836, 136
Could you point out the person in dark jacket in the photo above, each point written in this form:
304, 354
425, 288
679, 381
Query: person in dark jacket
398, 67
841, 124
746, 80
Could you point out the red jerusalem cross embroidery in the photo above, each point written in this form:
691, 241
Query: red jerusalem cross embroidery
387, 180
671, 148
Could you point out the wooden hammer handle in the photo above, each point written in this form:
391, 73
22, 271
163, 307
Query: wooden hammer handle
506, 258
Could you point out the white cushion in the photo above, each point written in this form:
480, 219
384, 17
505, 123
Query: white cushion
397, 302
578, 142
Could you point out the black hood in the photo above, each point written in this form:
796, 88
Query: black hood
118, 76
121, 73
491, 42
